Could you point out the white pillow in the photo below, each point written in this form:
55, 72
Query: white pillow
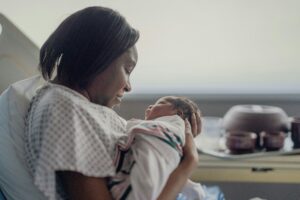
15, 180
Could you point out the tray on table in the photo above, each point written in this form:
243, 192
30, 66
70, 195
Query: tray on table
212, 142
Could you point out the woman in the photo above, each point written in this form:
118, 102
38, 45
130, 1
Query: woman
71, 130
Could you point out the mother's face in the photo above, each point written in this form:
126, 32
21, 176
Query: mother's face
108, 87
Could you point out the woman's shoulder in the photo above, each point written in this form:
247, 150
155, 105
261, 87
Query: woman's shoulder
54, 97
61, 96
54, 94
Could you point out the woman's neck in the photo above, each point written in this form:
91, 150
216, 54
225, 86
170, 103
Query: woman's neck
77, 89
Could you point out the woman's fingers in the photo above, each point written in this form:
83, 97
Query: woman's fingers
199, 122
189, 149
188, 129
196, 123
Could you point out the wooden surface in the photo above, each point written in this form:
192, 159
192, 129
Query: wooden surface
275, 169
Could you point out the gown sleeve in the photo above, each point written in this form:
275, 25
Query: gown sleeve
71, 139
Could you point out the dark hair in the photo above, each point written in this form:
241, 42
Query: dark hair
187, 106
85, 44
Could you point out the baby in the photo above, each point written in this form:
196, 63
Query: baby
153, 150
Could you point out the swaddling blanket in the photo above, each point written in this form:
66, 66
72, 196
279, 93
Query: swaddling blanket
145, 160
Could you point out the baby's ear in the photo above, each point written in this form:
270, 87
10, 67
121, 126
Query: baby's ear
180, 113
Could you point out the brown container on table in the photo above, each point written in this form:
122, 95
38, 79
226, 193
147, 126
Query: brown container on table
256, 119
273, 141
240, 141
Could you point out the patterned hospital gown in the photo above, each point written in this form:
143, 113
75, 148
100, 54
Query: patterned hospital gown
65, 131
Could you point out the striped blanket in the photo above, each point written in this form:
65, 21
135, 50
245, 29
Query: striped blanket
146, 158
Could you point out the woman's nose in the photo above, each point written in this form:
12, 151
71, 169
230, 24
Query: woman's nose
128, 86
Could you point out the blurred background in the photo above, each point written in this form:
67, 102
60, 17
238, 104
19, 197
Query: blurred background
193, 46
220, 53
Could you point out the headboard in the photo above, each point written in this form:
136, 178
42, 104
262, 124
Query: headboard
18, 54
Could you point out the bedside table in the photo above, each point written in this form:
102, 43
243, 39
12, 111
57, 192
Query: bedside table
271, 169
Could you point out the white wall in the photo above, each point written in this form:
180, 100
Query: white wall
194, 45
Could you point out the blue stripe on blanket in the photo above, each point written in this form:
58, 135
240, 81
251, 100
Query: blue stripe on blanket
126, 193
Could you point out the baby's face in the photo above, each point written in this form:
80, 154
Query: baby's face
159, 109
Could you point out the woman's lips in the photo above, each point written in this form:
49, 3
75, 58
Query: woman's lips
119, 97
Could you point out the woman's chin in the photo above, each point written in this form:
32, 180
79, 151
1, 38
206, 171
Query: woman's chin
115, 103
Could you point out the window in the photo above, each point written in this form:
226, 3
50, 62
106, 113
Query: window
217, 46
201, 46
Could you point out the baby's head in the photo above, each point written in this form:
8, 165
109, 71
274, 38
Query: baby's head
172, 105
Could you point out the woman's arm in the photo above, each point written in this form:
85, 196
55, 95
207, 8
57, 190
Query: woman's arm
80, 187
181, 174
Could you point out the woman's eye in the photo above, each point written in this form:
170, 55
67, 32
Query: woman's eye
128, 70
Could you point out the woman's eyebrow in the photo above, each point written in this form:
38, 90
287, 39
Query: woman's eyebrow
131, 62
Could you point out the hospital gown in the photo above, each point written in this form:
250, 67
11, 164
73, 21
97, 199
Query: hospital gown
65, 131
